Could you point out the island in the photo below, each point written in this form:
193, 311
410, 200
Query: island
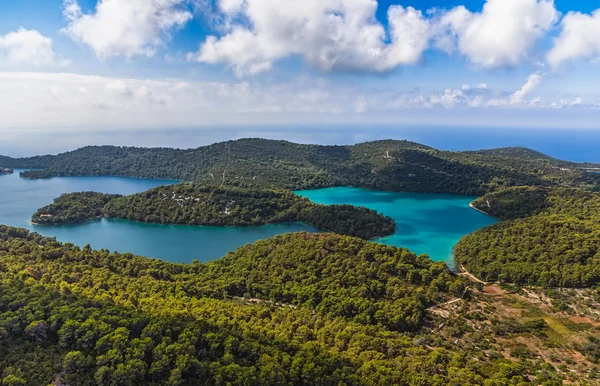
389, 165
190, 204
4, 171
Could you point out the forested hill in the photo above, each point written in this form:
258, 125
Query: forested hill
87, 317
383, 165
190, 204
552, 238
298, 309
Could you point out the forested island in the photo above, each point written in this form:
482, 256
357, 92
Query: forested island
381, 165
189, 204
4, 171
313, 309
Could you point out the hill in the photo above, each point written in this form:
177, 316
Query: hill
552, 238
383, 165
298, 309
190, 204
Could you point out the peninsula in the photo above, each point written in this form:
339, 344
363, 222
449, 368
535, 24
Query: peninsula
189, 204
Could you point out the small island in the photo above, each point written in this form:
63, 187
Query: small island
4, 171
189, 204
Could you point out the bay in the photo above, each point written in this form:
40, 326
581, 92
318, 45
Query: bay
20, 198
425, 223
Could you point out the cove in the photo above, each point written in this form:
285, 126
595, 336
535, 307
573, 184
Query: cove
425, 223
20, 198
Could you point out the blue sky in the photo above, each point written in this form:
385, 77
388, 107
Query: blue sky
159, 64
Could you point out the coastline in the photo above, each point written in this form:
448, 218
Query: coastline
481, 211
319, 230
66, 223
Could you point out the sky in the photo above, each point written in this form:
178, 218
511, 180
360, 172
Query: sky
85, 66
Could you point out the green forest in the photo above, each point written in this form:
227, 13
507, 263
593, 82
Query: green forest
298, 309
309, 309
73, 208
382, 165
552, 238
190, 204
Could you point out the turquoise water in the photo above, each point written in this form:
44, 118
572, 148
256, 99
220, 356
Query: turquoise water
20, 198
426, 223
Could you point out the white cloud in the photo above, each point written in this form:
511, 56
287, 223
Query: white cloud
125, 27
72, 101
333, 35
501, 35
532, 82
27, 47
579, 38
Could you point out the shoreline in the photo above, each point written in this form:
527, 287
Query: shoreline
481, 211
319, 230
66, 223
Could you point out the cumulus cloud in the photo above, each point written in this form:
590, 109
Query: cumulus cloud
532, 82
579, 38
345, 35
333, 35
27, 47
125, 27
501, 35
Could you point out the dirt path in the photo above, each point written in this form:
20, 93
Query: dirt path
464, 272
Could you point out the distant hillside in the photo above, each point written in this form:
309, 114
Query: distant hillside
383, 165
519, 153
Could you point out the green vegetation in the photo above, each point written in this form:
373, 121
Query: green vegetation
367, 283
309, 309
298, 309
84, 317
510, 204
553, 239
73, 208
382, 165
196, 205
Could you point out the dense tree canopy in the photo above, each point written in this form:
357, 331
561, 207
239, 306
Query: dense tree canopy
299, 309
384, 165
510, 204
553, 239
198, 205
73, 208
87, 317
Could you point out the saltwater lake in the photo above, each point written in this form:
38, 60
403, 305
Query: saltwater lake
427, 223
